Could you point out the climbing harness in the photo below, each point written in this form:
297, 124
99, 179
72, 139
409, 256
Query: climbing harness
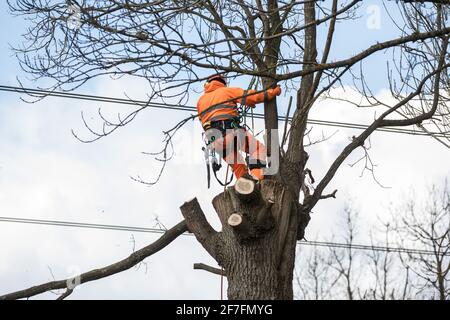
222, 123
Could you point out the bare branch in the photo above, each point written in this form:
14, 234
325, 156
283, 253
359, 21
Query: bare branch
104, 272
359, 140
366, 53
331, 195
199, 226
202, 266
65, 294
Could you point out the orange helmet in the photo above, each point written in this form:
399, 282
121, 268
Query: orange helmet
217, 77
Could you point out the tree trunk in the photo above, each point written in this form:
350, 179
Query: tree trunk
256, 246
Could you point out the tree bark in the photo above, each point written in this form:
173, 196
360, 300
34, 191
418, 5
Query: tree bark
258, 259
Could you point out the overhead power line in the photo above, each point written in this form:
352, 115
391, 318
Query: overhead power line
81, 225
160, 231
142, 103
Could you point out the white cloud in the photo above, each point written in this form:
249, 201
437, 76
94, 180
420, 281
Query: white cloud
402, 162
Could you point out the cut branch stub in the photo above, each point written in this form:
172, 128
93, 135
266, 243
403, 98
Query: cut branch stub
246, 189
199, 226
245, 209
240, 225
259, 238
235, 220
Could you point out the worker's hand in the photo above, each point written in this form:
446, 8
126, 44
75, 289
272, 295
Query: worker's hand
276, 90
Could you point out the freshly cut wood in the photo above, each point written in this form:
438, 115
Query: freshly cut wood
250, 229
239, 224
245, 189
244, 186
202, 266
234, 220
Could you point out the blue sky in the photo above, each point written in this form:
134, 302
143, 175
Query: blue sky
46, 174
357, 33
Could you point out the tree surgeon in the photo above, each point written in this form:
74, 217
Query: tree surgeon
170, 42
220, 118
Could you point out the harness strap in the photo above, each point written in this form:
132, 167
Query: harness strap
216, 107
222, 117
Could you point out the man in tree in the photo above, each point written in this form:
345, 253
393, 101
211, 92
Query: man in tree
169, 43
218, 113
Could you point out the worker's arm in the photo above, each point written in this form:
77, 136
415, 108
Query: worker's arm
250, 98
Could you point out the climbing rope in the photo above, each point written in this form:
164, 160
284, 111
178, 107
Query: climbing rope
221, 284
221, 268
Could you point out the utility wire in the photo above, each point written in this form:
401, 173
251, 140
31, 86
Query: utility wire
160, 231
44, 93
81, 225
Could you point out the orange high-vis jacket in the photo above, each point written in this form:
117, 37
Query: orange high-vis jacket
212, 106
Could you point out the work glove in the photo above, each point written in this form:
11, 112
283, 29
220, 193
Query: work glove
275, 91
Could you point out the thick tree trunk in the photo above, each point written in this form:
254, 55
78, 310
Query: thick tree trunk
256, 246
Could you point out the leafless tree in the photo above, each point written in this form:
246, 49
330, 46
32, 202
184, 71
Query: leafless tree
343, 261
409, 257
174, 45
334, 272
343, 272
314, 277
427, 227
392, 281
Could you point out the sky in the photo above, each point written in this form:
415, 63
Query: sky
45, 173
